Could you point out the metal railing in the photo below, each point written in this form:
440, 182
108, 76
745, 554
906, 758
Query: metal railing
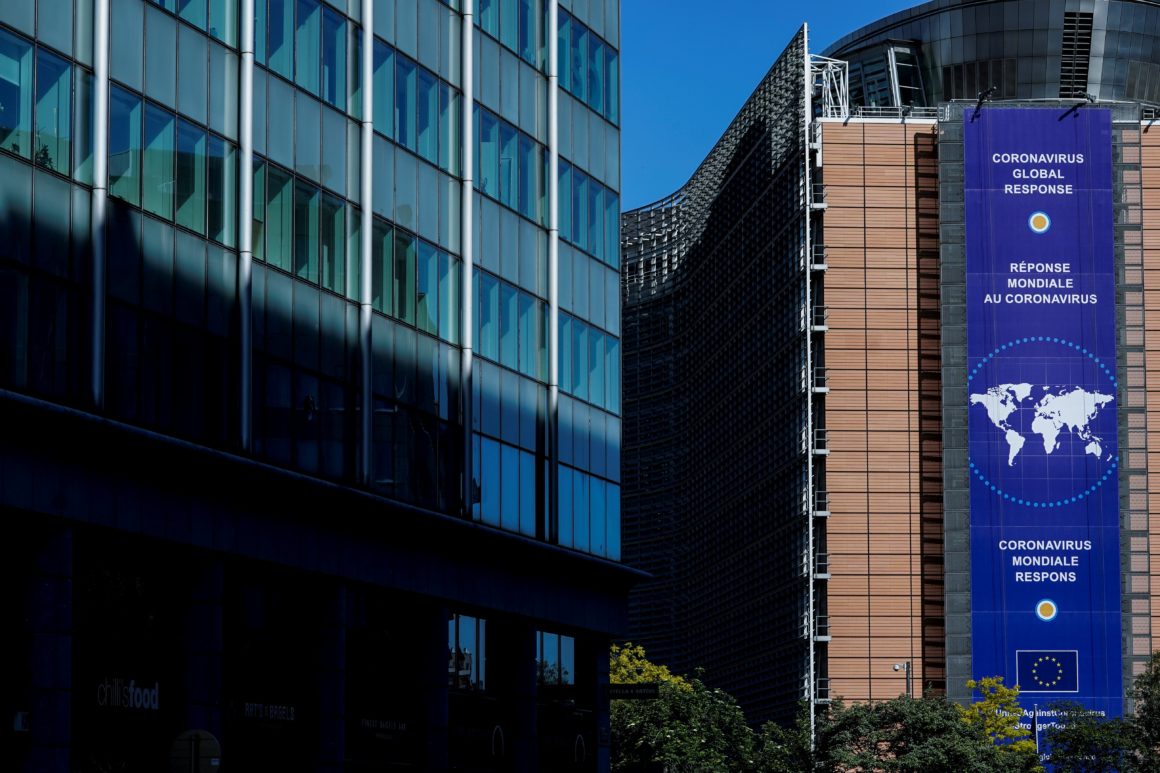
818, 195
821, 379
821, 441
875, 111
822, 564
821, 502
820, 316
818, 257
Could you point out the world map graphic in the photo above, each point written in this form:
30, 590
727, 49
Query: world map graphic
1054, 410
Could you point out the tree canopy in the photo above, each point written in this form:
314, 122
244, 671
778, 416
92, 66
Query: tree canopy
693, 727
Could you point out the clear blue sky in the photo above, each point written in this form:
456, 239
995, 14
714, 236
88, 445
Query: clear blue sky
687, 66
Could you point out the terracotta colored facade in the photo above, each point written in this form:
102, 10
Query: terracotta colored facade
882, 410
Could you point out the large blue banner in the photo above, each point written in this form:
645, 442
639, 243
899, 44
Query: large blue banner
1042, 392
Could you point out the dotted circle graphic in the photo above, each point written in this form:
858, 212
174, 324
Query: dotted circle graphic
1109, 374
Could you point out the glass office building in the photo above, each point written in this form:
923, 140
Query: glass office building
799, 475
310, 377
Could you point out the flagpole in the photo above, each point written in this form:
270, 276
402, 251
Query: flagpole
1035, 725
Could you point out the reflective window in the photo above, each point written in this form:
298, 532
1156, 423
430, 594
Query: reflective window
15, 94
564, 49
334, 147
428, 116
564, 525
427, 303
56, 23
193, 58
466, 644
489, 480
82, 127
306, 206
613, 96
221, 190
190, 183
332, 244
508, 326
307, 136
160, 45
124, 145
382, 261
508, 142
223, 90
125, 59
279, 217
578, 78
281, 37
258, 226
487, 304
307, 42
597, 73
488, 17
334, 59
404, 277
450, 301
487, 171
405, 95
158, 162
53, 112
384, 86
193, 11
223, 20
449, 118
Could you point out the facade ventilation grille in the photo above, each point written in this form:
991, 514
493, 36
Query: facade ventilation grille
1075, 53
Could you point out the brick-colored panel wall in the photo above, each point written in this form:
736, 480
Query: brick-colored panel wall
884, 597
1150, 185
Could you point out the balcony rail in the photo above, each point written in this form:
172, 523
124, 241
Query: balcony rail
822, 564
818, 196
822, 689
821, 441
873, 111
820, 317
821, 379
818, 256
821, 502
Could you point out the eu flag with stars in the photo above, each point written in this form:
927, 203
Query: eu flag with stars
1047, 670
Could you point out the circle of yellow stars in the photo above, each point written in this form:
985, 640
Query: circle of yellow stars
1044, 681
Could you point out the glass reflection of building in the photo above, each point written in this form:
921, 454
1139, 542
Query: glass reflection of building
316, 305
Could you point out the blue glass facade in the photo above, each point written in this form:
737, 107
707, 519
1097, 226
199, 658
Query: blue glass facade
204, 264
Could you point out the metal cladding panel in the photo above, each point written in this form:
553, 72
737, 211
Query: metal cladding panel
1042, 403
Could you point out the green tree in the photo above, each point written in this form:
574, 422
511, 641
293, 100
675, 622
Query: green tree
998, 713
1146, 693
688, 727
786, 750
628, 665
908, 734
1084, 742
